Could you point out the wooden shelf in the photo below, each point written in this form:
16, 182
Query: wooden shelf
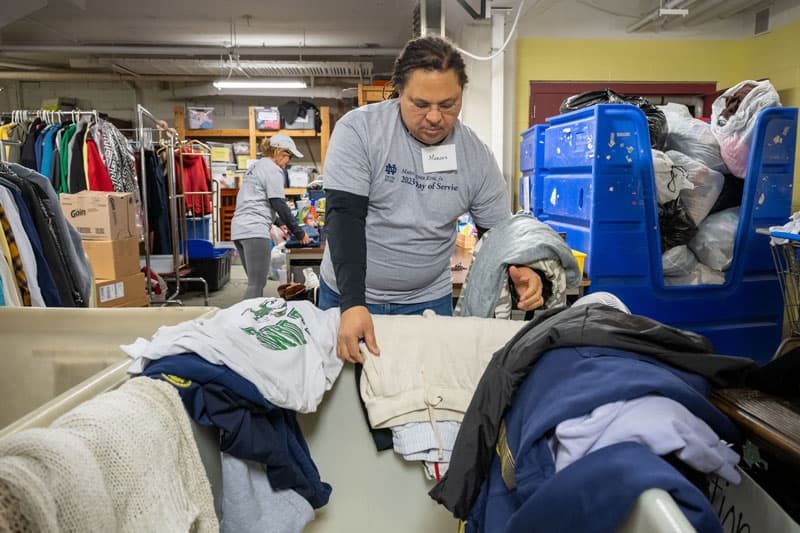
216, 133
290, 133
253, 135
228, 196
368, 94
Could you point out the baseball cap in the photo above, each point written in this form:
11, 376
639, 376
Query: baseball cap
281, 140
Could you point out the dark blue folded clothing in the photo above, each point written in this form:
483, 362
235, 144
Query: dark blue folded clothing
250, 426
312, 233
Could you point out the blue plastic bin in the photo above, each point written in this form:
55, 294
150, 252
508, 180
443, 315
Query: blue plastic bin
591, 175
198, 227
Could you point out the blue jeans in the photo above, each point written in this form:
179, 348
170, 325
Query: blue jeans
441, 306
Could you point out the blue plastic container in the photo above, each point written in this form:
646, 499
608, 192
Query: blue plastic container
592, 178
198, 228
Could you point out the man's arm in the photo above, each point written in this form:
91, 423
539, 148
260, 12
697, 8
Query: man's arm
345, 219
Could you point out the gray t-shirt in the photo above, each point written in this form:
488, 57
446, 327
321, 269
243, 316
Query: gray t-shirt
411, 218
253, 216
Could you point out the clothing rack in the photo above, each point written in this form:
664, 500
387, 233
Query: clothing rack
143, 135
199, 148
24, 115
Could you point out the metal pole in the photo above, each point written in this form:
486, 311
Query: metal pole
141, 112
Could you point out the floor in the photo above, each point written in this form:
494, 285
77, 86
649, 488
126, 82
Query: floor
229, 294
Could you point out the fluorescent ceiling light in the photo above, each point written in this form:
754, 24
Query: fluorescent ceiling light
671, 11
260, 84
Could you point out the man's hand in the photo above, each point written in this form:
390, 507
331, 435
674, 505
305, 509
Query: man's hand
528, 285
356, 324
305, 240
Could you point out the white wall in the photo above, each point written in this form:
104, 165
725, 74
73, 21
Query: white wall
476, 37
118, 99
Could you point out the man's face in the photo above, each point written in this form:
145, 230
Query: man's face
430, 104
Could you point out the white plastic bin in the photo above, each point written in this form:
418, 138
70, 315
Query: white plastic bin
47, 351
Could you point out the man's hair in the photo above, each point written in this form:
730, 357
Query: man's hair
429, 53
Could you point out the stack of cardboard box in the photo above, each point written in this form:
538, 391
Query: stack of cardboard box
107, 224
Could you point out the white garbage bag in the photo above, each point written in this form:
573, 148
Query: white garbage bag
692, 137
708, 183
678, 261
703, 275
669, 181
733, 120
716, 235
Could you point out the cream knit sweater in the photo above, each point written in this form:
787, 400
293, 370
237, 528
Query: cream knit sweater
124, 461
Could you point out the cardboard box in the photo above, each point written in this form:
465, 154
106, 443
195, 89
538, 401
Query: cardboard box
124, 292
101, 216
113, 259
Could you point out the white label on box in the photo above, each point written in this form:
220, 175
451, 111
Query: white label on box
112, 292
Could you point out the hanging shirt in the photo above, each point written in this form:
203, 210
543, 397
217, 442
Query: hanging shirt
48, 141
14, 259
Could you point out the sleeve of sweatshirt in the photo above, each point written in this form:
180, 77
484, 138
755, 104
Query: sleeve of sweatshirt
280, 206
345, 220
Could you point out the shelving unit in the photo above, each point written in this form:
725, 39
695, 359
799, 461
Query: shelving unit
368, 94
227, 197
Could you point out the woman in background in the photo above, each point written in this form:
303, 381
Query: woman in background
260, 202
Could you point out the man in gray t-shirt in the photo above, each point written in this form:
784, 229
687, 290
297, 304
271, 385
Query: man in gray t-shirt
398, 174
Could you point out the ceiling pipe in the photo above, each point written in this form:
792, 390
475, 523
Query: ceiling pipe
85, 76
212, 51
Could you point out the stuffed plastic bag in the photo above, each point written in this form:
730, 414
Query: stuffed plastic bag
675, 225
702, 275
713, 244
670, 181
656, 121
277, 262
692, 137
678, 261
707, 183
733, 120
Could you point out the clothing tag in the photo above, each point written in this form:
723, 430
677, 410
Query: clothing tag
439, 158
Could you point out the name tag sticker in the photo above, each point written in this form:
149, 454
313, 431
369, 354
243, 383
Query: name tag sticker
439, 158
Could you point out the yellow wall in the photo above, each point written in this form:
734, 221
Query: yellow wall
770, 56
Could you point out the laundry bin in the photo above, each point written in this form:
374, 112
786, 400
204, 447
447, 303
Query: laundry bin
54, 359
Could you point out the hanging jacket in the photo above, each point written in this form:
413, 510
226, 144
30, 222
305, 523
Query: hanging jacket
70, 248
65, 154
196, 179
44, 273
28, 157
590, 325
48, 142
118, 159
77, 170
569, 382
96, 172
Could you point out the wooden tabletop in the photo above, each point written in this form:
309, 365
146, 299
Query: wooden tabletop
769, 421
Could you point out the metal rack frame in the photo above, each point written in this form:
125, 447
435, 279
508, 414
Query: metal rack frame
173, 197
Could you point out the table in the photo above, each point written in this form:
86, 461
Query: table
303, 257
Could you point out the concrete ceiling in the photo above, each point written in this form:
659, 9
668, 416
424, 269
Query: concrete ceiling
206, 38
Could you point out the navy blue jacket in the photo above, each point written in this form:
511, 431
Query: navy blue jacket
570, 382
250, 427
